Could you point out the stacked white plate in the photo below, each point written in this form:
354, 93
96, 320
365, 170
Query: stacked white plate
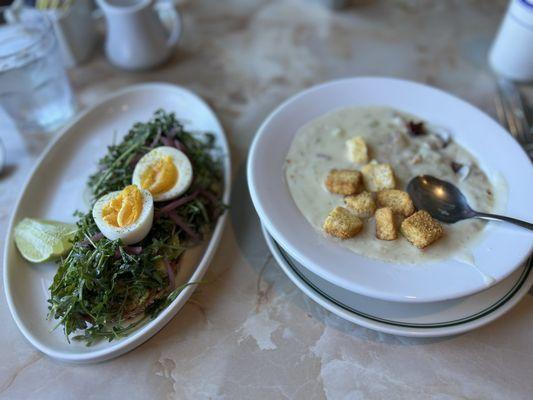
437, 299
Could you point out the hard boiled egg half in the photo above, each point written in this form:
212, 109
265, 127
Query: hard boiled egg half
165, 172
126, 214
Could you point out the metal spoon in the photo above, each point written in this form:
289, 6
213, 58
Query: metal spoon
445, 202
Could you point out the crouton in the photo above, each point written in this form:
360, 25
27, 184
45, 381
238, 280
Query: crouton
361, 205
385, 224
398, 200
357, 150
344, 181
420, 229
342, 223
378, 176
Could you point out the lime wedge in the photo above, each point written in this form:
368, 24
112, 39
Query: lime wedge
39, 240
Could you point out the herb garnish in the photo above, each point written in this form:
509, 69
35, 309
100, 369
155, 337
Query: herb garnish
103, 289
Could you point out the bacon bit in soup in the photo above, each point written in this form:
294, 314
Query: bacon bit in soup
416, 128
461, 170
456, 166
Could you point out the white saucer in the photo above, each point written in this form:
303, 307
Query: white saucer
435, 319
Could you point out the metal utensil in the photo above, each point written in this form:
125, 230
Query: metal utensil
511, 113
505, 92
445, 202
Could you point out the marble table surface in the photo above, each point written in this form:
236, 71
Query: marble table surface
251, 334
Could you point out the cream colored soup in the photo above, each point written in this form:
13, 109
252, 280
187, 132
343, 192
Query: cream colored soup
320, 146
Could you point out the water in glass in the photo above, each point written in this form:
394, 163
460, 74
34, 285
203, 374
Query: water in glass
34, 88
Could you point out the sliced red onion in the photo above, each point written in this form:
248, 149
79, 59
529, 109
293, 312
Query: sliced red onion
180, 146
183, 225
156, 138
215, 201
94, 238
209, 196
130, 250
172, 132
133, 249
179, 202
97, 236
170, 273
174, 143
166, 141
135, 160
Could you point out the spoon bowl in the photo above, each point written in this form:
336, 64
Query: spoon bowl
445, 202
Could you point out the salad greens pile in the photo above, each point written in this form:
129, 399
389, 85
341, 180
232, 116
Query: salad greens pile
102, 288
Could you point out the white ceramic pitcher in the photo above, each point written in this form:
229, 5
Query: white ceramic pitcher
136, 37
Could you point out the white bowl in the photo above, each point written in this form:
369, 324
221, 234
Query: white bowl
55, 189
501, 249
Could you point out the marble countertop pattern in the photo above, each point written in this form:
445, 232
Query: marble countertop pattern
251, 334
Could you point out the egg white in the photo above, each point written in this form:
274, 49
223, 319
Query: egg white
130, 234
182, 164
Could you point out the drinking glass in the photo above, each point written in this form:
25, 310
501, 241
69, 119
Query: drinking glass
34, 88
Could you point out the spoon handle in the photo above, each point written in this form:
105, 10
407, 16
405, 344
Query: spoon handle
495, 217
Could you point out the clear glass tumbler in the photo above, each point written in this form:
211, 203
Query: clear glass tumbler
34, 87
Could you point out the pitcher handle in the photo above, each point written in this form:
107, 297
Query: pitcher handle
175, 30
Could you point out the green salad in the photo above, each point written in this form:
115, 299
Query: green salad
103, 287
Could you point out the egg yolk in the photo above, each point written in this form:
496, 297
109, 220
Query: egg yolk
125, 208
160, 176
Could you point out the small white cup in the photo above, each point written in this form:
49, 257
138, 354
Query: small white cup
512, 51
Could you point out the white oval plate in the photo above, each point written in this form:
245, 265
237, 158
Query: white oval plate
498, 153
55, 189
436, 319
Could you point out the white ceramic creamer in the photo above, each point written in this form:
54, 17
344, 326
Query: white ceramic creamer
136, 37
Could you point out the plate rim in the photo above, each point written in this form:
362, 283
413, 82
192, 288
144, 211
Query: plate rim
135, 339
462, 325
303, 258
